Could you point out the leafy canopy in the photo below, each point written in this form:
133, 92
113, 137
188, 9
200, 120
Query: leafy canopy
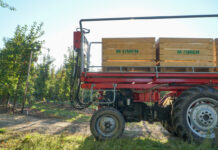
6, 5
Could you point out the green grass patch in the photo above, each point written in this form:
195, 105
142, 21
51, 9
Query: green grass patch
3, 130
79, 142
61, 113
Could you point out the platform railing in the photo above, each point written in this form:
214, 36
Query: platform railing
153, 69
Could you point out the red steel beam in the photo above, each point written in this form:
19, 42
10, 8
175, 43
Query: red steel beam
183, 75
138, 87
148, 80
145, 80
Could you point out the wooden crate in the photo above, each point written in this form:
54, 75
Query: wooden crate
216, 53
216, 50
197, 52
127, 52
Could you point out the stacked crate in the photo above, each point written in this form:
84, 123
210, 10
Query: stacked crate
185, 52
128, 54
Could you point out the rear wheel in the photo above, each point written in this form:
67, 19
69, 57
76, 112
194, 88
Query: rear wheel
107, 123
167, 124
195, 113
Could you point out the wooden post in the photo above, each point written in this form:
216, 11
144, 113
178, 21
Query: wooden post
27, 81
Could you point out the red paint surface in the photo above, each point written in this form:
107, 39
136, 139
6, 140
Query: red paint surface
174, 82
77, 40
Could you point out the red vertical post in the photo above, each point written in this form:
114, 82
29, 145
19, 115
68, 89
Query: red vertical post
77, 40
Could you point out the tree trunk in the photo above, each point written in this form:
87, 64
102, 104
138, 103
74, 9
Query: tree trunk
16, 93
3, 104
3, 100
27, 81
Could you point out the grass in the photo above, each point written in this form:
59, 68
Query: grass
36, 141
61, 113
3, 130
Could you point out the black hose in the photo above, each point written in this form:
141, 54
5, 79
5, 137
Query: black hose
74, 93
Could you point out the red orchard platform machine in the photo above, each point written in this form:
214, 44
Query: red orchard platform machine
186, 103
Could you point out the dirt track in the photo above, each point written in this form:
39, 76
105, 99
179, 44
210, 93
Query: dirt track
23, 123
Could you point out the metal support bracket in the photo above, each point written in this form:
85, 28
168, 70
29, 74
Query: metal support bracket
107, 103
91, 95
156, 72
114, 96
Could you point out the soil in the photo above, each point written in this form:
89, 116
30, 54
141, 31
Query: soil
27, 123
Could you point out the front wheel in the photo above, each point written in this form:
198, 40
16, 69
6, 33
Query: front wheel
195, 113
107, 123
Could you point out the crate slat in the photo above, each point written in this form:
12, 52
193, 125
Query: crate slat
190, 46
216, 51
175, 52
188, 64
185, 40
127, 63
129, 40
140, 57
186, 58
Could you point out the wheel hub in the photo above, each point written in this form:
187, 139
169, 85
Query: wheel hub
106, 125
203, 117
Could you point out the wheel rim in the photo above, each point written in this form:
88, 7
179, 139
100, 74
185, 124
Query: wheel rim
202, 117
107, 125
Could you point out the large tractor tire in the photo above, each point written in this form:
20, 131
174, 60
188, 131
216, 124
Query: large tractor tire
107, 123
195, 114
167, 124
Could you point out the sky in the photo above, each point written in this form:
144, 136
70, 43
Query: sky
61, 18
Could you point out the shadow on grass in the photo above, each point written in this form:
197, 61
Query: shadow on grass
121, 144
78, 142
141, 143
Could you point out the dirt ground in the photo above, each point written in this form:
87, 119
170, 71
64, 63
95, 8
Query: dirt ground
24, 123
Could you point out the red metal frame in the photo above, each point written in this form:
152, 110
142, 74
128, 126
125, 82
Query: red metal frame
150, 83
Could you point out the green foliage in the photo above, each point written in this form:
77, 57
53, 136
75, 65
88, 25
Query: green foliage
55, 85
44, 82
41, 85
14, 61
5, 5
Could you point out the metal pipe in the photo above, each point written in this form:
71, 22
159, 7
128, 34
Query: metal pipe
148, 18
